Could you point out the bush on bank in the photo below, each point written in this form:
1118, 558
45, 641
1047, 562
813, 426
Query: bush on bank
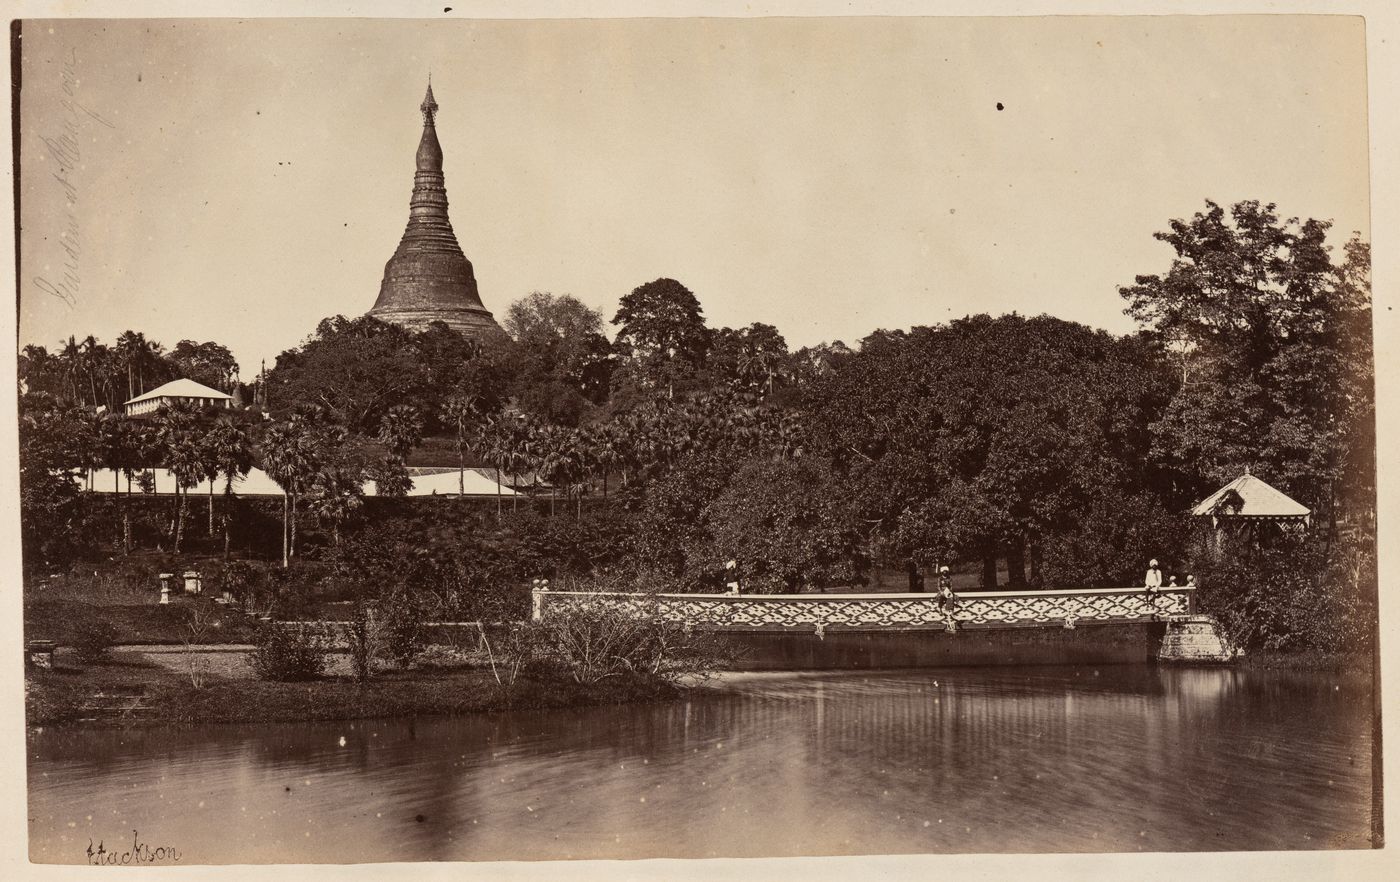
290, 651
1294, 596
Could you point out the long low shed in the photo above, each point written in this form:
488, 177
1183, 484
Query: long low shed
257, 483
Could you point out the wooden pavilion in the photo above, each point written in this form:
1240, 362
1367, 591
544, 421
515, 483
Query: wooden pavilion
1249, 508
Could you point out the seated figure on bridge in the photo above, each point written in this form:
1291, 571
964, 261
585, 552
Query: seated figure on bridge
1153, 584
1153, 580
945, 590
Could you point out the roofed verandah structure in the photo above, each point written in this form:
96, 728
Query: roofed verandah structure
183, 389
1247, 498
1248, 508
429, 278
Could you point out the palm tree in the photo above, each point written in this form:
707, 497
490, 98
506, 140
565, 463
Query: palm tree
519, 440
176, 426
603, 448
458, 411
282, 460
71, 358
292, 455
562, 459
131, 352
89, 359
228, 448
336, 495
401, 428
488, 443
116, 449
186, 465
38, 369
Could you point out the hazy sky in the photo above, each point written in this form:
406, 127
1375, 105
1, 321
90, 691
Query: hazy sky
239, 181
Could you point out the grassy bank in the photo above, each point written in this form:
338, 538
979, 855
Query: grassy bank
1308, 660
127, 692
66, 621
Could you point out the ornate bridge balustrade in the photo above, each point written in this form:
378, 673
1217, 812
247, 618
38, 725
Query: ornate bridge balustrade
822, 612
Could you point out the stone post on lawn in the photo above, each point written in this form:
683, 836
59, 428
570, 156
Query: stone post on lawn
538, 590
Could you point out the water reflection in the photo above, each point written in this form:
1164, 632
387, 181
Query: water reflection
1118, 759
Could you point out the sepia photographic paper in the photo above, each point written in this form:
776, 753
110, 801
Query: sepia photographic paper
682, 441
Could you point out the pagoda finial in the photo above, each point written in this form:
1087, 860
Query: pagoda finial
429, 106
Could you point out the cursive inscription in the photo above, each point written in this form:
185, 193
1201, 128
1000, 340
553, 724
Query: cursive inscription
64, 148
139, 853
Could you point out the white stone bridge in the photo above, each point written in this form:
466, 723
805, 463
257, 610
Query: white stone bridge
821, 613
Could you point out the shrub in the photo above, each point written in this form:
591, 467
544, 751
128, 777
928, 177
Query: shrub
1294, 596
93, 640
404, 634
589, 641
287, 651
240, 578
513, 649
292, 589
364, 639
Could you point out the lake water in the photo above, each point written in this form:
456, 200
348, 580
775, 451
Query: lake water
1123, 758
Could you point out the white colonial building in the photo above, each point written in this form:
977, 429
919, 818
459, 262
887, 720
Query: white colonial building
197, 394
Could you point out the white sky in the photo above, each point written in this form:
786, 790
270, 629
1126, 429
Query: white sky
827, 176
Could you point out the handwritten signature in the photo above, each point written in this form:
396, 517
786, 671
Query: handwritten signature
65, 149
139, 853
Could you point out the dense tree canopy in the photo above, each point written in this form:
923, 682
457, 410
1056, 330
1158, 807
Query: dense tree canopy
209, 363
662, 339
358, 368
987, 433
1271, 339
561, 362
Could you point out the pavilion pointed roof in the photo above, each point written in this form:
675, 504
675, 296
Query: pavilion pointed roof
1250, 497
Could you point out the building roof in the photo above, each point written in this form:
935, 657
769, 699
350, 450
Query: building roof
445, 484
181, 388
1249, 497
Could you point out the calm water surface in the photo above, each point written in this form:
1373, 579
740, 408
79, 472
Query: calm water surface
1123, 758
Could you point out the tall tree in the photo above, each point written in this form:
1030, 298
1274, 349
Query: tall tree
131, 350
178, 426
50, 448
71, 356
209, 363
229, 450
293, 452
1272, 341
558, 357
661, 337
458, 412
354, 368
